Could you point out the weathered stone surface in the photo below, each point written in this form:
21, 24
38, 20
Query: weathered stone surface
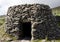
42, 21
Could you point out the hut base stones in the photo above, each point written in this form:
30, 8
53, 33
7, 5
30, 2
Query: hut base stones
33, 21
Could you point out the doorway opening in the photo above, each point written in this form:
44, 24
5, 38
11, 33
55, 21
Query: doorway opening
26, 30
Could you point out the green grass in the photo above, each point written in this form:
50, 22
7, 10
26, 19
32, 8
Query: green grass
56, 11
2, 20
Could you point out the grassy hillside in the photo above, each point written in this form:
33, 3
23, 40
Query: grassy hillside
56, 11
2, 20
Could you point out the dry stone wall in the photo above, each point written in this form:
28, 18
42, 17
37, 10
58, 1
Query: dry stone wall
40, 15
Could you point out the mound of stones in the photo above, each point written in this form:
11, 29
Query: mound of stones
43, 23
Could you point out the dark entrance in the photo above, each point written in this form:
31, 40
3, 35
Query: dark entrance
26, 30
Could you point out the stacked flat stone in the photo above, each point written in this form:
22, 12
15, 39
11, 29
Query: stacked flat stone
40, 15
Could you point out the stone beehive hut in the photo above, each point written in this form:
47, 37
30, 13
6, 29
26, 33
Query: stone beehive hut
33, 21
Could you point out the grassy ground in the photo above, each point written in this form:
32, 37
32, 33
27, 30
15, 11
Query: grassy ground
2, 20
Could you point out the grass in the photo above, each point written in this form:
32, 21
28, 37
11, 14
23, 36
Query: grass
2, 20
56, 11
